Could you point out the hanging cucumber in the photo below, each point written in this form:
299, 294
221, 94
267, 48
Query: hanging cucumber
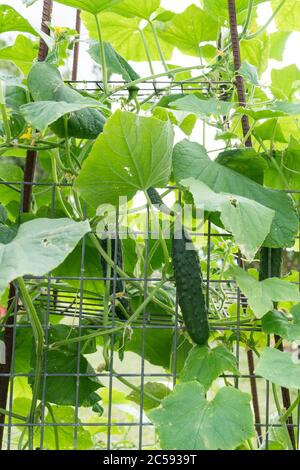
189, 284
119, 287
270, 263
46, 84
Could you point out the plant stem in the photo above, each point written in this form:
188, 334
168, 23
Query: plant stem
147, 51
279, 411
161, 54
55, 179
248, 19
154, 76
13, 415
290, 410
38, 334
5, 123
102, 56
55, 430
122, 273
263, 28
67, 146
109, 331
134, 387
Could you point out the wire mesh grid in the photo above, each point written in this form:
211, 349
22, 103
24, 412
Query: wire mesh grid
122, 425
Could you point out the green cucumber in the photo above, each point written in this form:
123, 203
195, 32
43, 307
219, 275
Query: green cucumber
189, 284
270, 263
46, 84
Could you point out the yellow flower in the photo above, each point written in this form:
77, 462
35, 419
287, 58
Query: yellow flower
220, 53
59, 30
27, 135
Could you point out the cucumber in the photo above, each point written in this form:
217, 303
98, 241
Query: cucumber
120, 285
46, 84
189, 284
270, 263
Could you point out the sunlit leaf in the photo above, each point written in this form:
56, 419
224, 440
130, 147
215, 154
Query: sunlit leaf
187, 421
135, 154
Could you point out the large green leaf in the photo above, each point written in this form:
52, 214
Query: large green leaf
277, 322
262, 294
288, 163
205, 365
114, 61
202, 107
219, 8
10, 172
188, 29
125, 36
11, 20
155, 389
140, 9
92, 6
245, 161
256, 52
278, 42
65, 434
71, 267
288, 17
191, 160
22, 53
285, 81
187, 421
247, 220
41, 114
279, 367
133, 153
39, 246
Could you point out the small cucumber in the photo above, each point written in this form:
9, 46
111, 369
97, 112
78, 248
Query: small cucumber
189, 284
46, 84
270, 263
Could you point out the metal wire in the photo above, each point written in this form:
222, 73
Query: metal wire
77, 307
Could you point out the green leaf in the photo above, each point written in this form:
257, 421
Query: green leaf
188, 29
201, 107
140, 149
249, 72
63, 365
156, 389
281, 368
247, 220
92, 268
22, 53
256, 52
91, 6
39, 246
187, 421
278, 42
63, 415
289, 168
142, 10
285, 81
205, 365
276, 322
11, 20
219, 9
114, 61
41, 114
262, 294
244, 161
270, 130
288, 17
125, 36
10, 172
191, 160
